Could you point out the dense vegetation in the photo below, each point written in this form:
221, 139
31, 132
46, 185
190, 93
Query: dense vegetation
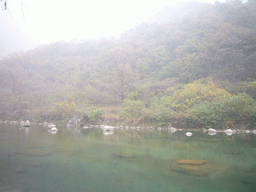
192, 65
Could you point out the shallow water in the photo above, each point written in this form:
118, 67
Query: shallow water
73, 159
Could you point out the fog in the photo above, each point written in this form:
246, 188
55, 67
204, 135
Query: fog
12, 38
27, 23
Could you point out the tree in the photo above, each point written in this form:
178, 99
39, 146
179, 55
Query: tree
123, 76
195, 93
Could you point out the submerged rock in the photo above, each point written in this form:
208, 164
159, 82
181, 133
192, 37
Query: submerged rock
248, 180
234, 151
11, 188
192, 162
19, 171
200, 168
34, 153
124, 155
36, 164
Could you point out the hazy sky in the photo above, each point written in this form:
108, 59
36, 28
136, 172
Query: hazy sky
55, 20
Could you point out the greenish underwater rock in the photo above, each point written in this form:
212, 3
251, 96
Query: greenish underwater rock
34, 153
192, 162
126, 156
19, 171
36, 165
200, 168
248, 180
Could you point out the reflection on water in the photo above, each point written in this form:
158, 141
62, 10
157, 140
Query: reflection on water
125, 159
108, 132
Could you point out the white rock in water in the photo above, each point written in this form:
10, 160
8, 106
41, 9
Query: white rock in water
54, 129
51, 125
108, 132
212, 130
212, 133
229, 131
172, 129
107, 127
189, 134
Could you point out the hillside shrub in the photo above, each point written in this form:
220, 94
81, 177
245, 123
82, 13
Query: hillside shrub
94, 115
163, 110
195, 93
238, 108
132, 108
62, 110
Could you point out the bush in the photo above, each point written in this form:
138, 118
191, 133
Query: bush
62, 110
162, 110
237, 108
94, 115
207, 114
132, 108
195, 93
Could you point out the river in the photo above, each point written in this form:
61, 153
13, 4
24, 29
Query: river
77, 159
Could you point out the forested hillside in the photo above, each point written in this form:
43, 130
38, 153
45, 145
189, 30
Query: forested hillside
192, 65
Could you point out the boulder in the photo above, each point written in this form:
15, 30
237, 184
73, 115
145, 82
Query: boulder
211, 130
189, 134
77, 120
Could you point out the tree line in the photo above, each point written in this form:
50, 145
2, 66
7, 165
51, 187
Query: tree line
190, 68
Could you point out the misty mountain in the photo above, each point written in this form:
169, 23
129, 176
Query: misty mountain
179, 11
190, 46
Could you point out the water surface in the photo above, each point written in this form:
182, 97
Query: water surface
77, 159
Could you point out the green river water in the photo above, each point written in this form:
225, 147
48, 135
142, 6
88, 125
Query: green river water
77, 159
